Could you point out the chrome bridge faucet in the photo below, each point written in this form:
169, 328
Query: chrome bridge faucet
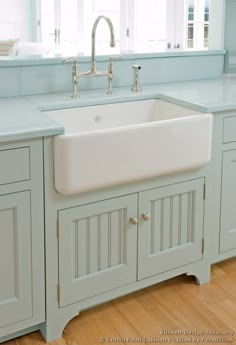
93, 72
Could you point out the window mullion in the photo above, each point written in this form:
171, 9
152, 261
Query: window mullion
39, 21
200, 24
171, 19
123, 25
130, 34
57, 4
179, 23
217, 19
80, 24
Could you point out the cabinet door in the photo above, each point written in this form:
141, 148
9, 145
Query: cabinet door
172, 237
15, 258
228, 202
97, 248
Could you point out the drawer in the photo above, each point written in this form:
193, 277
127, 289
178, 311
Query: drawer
14, 165
229, 129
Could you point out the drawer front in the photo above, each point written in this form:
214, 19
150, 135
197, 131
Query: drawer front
229, 129
14, 165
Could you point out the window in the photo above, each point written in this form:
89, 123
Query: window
59, 24
140, 26
150, 26
91, 10
190, 23
206, 23
16, 20
197, 24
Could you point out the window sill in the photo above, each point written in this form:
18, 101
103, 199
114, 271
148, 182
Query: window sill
13, 61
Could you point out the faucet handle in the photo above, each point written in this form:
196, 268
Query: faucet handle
75, 68
110, 64
75, 75
75, 64
111, 59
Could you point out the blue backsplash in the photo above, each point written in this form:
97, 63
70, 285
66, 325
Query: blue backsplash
29, 77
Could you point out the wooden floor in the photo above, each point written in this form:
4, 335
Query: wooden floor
175, 305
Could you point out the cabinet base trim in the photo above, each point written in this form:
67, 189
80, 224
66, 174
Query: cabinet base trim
53, 329
19, 333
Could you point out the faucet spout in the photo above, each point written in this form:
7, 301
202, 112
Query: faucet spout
112, 34
93, 71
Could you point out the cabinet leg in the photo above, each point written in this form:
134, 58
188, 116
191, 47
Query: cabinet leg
202, 273
53, 328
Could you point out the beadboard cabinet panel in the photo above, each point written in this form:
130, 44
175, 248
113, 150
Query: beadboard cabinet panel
172, 237
228, 202
15, 258
22, 284
97, 248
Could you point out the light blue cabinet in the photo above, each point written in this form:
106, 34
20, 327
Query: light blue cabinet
15, 258
107, 243
22, 295
99, 242
171, 236
97, 248
228, 202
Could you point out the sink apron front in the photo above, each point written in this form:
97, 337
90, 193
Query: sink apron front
94, 160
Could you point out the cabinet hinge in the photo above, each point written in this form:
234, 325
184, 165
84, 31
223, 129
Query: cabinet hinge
203, 244
204, 191
58, 293
58, 231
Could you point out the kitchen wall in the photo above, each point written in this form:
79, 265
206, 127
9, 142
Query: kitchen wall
38, 76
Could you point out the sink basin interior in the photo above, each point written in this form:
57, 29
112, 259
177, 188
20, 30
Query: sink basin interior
113, 116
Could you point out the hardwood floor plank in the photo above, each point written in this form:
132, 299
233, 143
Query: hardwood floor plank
177, 304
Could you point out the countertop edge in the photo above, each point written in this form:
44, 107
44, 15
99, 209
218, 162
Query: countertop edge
31, 134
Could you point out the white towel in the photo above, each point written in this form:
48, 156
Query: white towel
8, 47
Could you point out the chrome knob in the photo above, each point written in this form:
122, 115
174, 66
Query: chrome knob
133, 221
145, 217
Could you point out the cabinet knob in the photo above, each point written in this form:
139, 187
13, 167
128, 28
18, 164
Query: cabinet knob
133, 221
145, 217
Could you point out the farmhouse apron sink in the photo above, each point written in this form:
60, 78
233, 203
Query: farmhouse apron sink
107, 145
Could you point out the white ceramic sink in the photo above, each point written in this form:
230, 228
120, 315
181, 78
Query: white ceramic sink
112, 144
